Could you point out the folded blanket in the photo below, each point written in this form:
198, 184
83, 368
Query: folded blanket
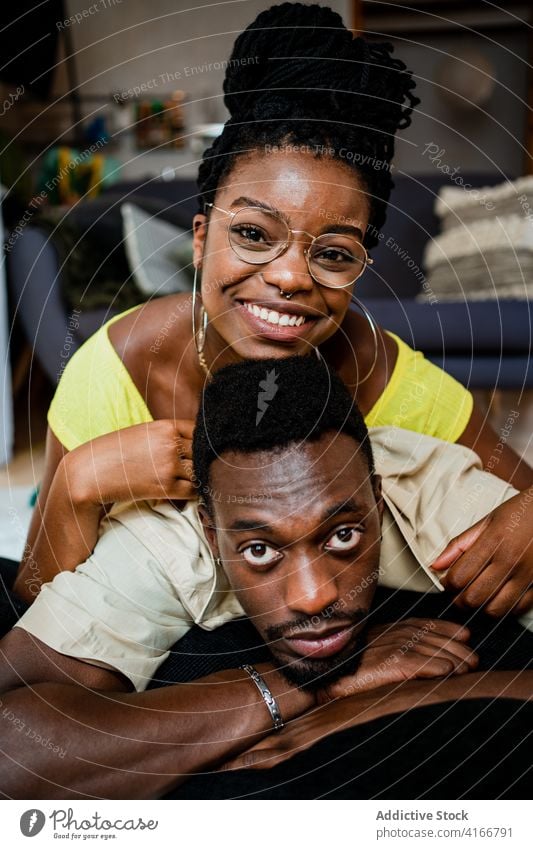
489, 259
456, 205
509, 233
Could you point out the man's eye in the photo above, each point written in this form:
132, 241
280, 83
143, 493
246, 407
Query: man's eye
345, 539
260, 554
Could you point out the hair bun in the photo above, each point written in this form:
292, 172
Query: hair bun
297, 75
283, 56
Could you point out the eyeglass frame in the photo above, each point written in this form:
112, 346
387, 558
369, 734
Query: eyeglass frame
368, 260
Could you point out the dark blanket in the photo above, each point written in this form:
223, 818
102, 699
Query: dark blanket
479, 749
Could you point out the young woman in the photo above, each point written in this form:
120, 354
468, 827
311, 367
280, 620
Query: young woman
285, 224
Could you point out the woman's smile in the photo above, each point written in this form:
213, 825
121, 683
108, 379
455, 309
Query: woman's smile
277, 320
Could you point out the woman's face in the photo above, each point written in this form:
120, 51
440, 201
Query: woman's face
315, 195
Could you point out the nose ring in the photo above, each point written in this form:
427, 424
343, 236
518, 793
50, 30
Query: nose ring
287, 295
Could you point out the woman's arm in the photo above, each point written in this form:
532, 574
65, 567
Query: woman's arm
146, 461
63, 530
495, 454
490, 565
29, 577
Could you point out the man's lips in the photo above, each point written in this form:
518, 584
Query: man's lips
322, 644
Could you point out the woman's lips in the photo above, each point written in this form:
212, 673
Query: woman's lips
316, 646
279, 333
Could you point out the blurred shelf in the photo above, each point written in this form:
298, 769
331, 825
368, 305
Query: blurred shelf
432, 16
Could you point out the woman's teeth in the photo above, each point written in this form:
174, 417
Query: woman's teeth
284, 319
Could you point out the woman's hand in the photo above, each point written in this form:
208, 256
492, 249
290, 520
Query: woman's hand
145, 461
491, 564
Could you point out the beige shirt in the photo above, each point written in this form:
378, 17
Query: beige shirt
152, 575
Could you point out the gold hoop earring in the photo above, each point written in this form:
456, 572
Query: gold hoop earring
199, 334
373, 328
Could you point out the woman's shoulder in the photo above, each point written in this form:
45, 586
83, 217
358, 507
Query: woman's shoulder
422, 397
395, 385
153, 343
104, 385
143, 331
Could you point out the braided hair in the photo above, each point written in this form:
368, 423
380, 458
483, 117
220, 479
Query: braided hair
297, 76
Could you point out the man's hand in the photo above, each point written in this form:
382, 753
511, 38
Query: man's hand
402, 651
491, 564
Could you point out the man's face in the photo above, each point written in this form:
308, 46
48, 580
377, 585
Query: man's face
298, 532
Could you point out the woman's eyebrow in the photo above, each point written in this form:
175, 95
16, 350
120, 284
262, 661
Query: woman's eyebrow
341, 229
246, 201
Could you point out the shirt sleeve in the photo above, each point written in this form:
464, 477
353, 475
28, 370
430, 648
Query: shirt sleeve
120, 609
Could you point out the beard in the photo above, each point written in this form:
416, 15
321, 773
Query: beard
312, 674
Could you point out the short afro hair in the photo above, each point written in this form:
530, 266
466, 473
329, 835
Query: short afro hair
263, 405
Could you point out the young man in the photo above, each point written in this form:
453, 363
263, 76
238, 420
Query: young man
292, 510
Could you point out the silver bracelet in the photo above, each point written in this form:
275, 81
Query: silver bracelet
268, 698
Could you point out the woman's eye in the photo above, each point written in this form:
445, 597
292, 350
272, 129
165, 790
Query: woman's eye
260, 554
334, 256
248, 233
345, 539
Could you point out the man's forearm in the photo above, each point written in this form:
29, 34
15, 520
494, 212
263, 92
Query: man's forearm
133, 745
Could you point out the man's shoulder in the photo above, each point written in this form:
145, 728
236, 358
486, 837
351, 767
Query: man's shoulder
155, 527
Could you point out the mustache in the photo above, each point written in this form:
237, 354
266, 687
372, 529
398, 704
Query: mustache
307, 623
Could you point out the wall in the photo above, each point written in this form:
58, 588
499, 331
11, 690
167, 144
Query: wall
484, 139
119, 44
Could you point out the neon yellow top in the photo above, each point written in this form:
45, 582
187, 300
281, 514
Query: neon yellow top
96, 395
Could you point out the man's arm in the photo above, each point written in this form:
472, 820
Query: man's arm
118, 744
385, 701
71, 728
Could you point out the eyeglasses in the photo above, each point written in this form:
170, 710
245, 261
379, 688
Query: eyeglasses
258, 236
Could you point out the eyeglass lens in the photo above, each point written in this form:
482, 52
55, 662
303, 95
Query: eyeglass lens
257, 236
